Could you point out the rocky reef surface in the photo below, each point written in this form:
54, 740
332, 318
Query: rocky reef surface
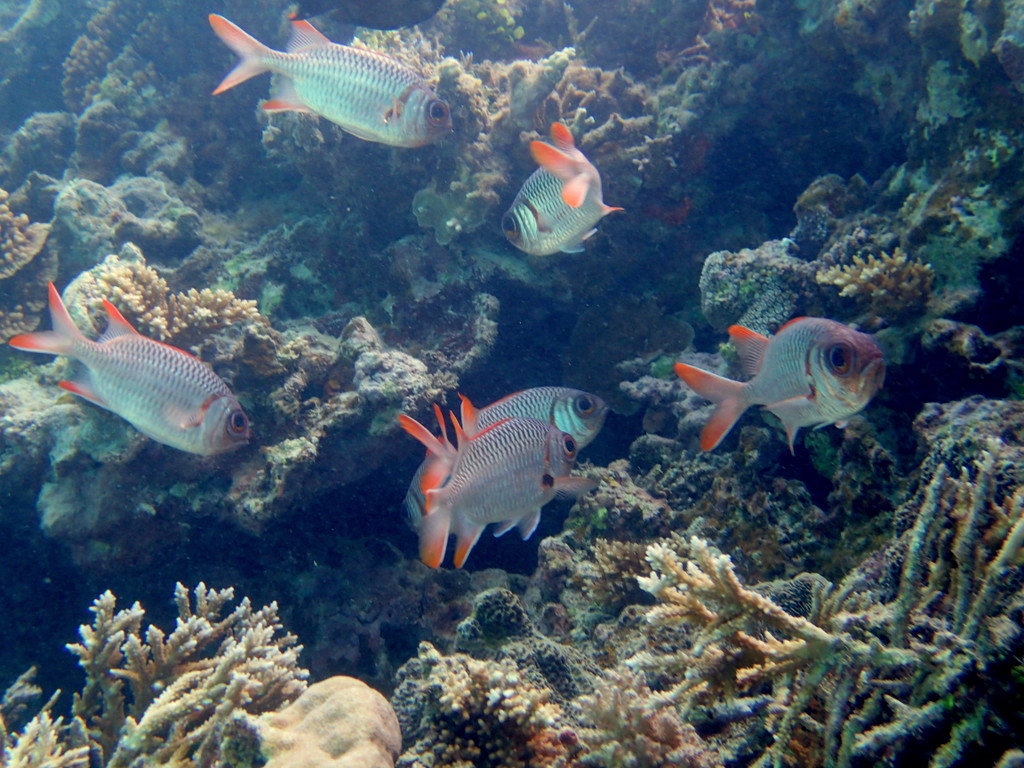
856, 602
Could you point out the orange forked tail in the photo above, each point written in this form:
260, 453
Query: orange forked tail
61, 340
250, 50
576, 182
725, 392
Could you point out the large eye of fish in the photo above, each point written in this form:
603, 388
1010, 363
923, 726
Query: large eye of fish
238, 423
840, 358
585, 405
569, 444
438, 113
510, 226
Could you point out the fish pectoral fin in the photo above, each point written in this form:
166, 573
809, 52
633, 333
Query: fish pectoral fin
570, 487
193, 419
83, 388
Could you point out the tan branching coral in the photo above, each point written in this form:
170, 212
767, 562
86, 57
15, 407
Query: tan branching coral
889, 284
152, 698
143, 296
879, 659
23, 271
165, 698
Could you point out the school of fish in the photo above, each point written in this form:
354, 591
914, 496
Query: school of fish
512, 457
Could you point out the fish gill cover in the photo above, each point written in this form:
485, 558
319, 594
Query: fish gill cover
856, 601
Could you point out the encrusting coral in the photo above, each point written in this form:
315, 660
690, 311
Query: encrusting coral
24, 272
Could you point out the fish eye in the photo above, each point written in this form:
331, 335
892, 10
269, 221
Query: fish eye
238, 423
569, 444
840, 358
510, 226
438, 112
585, 405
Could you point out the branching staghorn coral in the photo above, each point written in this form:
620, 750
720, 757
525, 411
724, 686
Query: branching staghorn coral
152, 698
879, 663
889, 284
167, 697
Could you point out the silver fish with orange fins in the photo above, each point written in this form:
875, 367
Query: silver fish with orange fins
164, 392
579, 413
811, 373
559, 205
368, 94
503, 474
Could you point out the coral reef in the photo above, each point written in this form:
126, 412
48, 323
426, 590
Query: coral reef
162, 698
960, 535
25, 269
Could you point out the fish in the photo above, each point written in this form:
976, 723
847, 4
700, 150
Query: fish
164, 392
375, 14
579, 413
813, 372
560, 203
504, 474
368, 94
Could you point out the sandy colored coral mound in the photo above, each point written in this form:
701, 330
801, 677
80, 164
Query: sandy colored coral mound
339, 722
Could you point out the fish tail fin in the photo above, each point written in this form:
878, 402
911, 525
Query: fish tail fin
434, 529
421, 433
575, 180
728, 395
61, 340
250, 50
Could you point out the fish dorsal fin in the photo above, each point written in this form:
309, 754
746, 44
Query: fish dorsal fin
554, 161
305, 35
751, 347
789, 323
116, 324
469, 416
421, 433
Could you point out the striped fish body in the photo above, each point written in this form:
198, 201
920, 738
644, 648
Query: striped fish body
367, 93
812, 373
560, 203
164, 392
503, 475
578, 413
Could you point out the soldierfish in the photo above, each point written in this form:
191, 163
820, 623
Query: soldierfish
164, 392
579, 413
503, 474
559, 205
368, 94
811, 373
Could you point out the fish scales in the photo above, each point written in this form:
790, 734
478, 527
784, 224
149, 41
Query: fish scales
367, 93
164, 392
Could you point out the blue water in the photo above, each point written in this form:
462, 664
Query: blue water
711, 123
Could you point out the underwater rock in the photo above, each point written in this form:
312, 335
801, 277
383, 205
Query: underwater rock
42, 144
91, 220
